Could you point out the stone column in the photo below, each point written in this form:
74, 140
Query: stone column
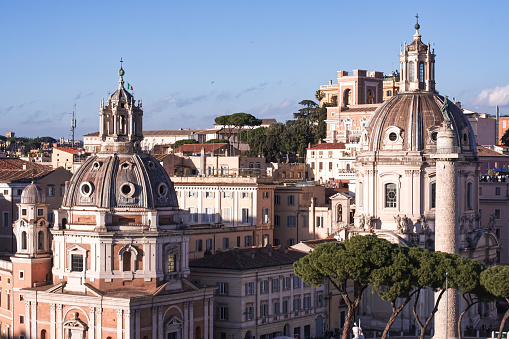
446, 232
99, 323
186, 320
160, 322
137, 323
128, 327
119, 324
34, 318
91, 325
52, 318
60, 329
211, 318
154, 322
191, 320
206, 319
27, 318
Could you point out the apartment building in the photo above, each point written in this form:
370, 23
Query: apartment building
332, 162
259, 296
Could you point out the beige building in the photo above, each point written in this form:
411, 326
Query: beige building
227, 212
68, 158
294, 219
332, 162
15, 175
259, 296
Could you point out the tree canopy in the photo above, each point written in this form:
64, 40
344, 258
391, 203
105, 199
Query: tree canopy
496, 281
179, 143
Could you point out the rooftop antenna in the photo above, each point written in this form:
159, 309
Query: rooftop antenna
73, 124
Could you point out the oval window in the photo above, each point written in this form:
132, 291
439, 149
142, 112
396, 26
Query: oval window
86, 189
393, 136
163, 189
127, 189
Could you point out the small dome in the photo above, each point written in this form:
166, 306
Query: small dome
121, 94
410, 122
31, 195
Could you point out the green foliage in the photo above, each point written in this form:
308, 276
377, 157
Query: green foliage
505, 138
179, 143
496, 281
216, 141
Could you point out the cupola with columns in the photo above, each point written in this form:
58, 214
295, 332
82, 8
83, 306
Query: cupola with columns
417, 65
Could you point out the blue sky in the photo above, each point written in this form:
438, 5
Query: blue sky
191, 61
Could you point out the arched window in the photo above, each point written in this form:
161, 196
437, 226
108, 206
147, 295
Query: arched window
340, 213
126, 261
389, 93
421, 75
433, 195
24, 240
469, 196
360, 194
347, 97
286, 330
391, 195
411, 71
370, 97
43, 334
40, 242
197, 333
172, 263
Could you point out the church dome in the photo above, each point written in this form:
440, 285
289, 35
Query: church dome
410, 121
121, 180
31, 195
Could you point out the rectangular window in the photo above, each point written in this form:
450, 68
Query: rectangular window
296, 282
497, 190
320, 165
249, 312
277, 220
23, 211
238, 241
264, 310
285, 306
390, 195
248, 240
8, 301
191, 194
313, 165
266, 215
245, 215
245, 195
277, 199
265, 195
275, 284
62, 190
330, 166
209, 195
277, 308
497, 214
223, 313
296, 304
21, 319
21, 275
319, 300
287, 283
319, 222
193, 215
76, 263
5, 219
226, 215
223, 288
226, 243
209, 244
305, 221
307, 302
209, 215
199, 245
227, 194
433, 195
264, 286
249, 288
290, 221
40, 212
291, 200
50, 191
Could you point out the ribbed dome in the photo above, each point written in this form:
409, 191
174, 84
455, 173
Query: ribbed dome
31, 195
410, 122
121, 93
123, 180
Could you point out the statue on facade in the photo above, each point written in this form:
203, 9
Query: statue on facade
491, 222
369, 223
357, 331
362, 220
424, 224
471, 222
405, 224
397, 219
461, 222
445, 110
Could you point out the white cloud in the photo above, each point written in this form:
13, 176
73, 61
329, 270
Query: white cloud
494, 96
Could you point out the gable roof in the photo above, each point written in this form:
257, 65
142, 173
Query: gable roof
486, 152
69, 150
249, 258
17, 170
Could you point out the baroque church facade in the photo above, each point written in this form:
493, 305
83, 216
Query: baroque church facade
417, 177
117, 265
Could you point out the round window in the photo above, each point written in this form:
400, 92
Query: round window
127, 189
86, 189
125, 165
163, 189
151, 165
391, 195
96, 165
434, 136
393, 136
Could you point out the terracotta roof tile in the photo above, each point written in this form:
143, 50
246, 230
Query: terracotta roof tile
331, 145
69, 150
196, 148
17, 170
486, 152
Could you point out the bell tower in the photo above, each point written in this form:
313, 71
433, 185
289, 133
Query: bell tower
120, 126
417, 65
